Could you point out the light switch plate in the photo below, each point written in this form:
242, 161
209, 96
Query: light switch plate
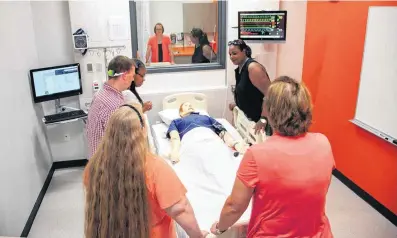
98, 67
90, 68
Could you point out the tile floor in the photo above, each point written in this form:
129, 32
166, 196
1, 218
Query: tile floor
61, 214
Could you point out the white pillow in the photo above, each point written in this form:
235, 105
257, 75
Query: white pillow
168, 115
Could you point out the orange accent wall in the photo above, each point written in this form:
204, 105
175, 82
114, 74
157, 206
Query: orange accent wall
334, 43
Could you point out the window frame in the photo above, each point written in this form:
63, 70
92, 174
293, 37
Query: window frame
221, 54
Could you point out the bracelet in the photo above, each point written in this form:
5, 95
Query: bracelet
219, 232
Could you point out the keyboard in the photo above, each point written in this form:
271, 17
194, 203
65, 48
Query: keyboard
64, 116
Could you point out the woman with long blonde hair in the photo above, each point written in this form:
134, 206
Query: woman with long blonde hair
130, 193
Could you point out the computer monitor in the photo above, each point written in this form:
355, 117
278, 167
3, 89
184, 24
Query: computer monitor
55, 82
262, 25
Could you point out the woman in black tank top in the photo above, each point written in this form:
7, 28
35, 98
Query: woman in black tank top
203, 52
252, 82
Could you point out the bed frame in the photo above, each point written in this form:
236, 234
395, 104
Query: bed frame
198, 100
245, 128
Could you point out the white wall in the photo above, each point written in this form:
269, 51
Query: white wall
290, 53
55, 47
25, 158
52, 32
169, 13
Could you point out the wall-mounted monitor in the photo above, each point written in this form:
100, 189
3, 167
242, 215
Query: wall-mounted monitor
262, 25
55, 82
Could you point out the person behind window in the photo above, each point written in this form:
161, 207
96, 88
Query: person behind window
203, 52
132, 95
288, 176
130, 192
159, 48
252, 81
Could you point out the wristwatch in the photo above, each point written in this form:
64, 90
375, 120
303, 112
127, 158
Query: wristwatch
219, 232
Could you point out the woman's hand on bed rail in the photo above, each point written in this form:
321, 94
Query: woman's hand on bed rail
232, 105
260, 127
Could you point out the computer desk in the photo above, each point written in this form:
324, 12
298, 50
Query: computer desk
83, 119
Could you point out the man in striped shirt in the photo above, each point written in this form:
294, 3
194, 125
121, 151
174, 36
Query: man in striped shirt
121, 72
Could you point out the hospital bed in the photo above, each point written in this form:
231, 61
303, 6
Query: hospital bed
243, 131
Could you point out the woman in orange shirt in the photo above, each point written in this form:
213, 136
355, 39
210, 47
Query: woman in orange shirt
130, 193
287, 176
159, 48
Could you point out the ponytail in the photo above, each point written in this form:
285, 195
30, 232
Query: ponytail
138, 64
248, 51
198, 33
133, 90
203, 39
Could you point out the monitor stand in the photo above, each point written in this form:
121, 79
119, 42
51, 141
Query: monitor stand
61, 108
58, 107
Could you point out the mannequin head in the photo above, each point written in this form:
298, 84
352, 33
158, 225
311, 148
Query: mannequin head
185, 109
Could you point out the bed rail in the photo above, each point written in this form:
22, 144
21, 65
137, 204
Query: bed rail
246, 127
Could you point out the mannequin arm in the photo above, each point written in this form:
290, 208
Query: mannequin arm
239, 146
175, 145
227, 138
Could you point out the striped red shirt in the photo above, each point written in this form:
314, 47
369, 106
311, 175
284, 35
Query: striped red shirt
104, 103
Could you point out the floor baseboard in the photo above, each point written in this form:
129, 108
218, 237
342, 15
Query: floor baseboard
37, 204
389, 215
36, 207
70, 164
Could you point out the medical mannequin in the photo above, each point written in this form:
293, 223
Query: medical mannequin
190, 120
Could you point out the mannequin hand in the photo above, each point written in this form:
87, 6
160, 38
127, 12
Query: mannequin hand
147, 106
259, 127
241, 147
174, 157
231, 106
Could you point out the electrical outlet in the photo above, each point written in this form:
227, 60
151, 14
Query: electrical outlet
66, 137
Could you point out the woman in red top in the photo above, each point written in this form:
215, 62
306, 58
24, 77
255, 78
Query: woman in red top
287, 176
159, 48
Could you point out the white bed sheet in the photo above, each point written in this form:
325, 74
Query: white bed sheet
205, 191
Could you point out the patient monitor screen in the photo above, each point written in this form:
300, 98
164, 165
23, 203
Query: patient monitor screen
56, 81
262, 25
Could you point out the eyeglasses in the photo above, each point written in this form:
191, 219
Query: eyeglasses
140, 75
